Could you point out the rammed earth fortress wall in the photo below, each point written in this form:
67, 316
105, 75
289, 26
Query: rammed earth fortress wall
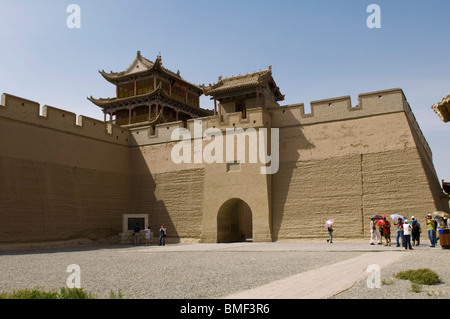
63, 177
60, 180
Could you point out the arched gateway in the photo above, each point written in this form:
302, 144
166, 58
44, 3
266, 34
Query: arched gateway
234, 222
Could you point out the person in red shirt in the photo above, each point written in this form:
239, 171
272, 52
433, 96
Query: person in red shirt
387, 231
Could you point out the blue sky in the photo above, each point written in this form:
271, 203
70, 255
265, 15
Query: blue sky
317, 49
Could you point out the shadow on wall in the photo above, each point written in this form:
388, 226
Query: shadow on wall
292, 141
42, 201
59, 179
145, 201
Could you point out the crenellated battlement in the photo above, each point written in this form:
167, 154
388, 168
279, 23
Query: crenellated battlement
27, 111
339, 108
327, 110
255, 117
163, 132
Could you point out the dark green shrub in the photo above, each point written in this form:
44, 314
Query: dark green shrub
422, 276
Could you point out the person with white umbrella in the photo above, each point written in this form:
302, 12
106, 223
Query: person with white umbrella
329, 227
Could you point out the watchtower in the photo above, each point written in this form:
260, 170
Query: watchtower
149, 94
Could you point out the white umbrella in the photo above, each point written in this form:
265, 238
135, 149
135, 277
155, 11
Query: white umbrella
329, 222
395, 217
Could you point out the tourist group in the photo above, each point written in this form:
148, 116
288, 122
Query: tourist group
407, 230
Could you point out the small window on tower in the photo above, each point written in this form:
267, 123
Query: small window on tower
241, 107
233, 167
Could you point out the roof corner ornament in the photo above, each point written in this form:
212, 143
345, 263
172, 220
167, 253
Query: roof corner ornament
220, 78
269, 68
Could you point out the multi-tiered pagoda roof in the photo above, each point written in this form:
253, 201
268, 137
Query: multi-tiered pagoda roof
147, 93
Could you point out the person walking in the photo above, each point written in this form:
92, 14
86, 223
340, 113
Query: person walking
373, 232
162, 235
407, 233
415, 233
330, 232
136, 231
399, 232
431, 228
148, 233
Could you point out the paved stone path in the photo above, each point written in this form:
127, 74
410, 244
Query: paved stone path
192, 263
323, 282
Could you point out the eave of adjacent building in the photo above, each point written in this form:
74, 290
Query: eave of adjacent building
442, 109
248, 81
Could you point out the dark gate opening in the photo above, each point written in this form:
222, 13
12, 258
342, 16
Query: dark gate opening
234, 222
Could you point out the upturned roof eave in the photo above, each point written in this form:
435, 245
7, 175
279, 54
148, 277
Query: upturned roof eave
105, 103
224, 90
152, 67
255, 79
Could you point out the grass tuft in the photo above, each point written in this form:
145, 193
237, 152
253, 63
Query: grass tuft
422, 276
75, 293
113, 295
64, 293
387, 282
416, 287
29, 294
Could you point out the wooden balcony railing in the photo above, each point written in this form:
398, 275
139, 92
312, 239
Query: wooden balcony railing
134, 119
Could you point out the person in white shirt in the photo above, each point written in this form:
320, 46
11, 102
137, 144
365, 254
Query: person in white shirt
373, 232
147, 236
407, 233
